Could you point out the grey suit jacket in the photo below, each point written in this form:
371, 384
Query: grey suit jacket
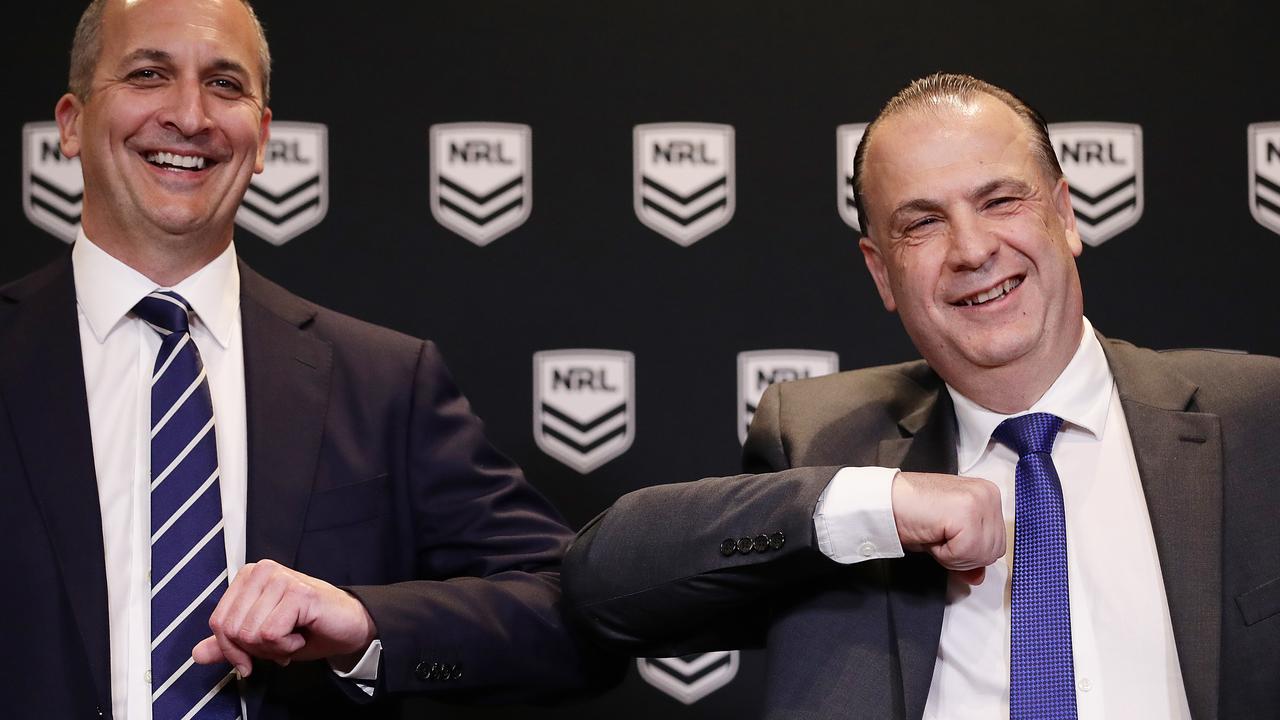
861, 641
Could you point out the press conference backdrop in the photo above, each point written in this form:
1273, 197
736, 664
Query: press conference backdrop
605, 212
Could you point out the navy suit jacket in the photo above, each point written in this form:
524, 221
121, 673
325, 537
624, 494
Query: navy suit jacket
861, 641
366, 469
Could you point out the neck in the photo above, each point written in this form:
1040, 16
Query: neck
162, 258
1015, 387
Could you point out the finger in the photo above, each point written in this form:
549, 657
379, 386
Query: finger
281, 625
241, 598
235, 655
250, 633
207, 651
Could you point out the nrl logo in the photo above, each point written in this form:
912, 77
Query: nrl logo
1264, 174
291, 194
1103, 165
689, 678
481, 178
847, 139
758, 369
684, 179
583, 405
52, 186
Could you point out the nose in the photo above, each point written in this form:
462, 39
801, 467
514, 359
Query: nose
185, 109
972, 245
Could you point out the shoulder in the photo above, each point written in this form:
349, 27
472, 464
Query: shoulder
265, 303
1223, 379
898, 390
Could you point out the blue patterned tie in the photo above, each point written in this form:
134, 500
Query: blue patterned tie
188, 553
1041, 670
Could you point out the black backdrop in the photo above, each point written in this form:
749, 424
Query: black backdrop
582, 272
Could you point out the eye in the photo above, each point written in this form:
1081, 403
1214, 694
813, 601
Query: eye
1001, 202
144, 75
226, 86
921, 224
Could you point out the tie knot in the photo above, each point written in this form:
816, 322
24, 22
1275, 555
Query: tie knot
166, 311
1028, 434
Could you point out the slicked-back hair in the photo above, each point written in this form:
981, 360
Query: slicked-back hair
86, 49
923, 93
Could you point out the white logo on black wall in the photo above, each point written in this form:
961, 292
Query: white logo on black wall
481, 178
689, 678
291, 194
1264, 174
1103, 165
847, 139
758, 369
684, 182
52, 185
584, 405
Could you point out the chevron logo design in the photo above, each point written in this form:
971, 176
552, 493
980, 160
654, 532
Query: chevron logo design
52, 185
847, 139
689, 678
758, 369
481, 178
291, 194
584, 405
1103, 165
684, 179
1264, 174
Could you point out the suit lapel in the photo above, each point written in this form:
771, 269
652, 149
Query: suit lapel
286, 378
286, 394
1179, 456
919, 584
42, 383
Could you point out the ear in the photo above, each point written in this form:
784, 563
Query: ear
1062, 205
67, 112
264, 134
879, 272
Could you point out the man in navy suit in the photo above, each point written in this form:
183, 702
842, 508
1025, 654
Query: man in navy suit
375, 543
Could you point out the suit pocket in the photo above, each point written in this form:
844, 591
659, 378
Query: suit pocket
1261, 602
346, 505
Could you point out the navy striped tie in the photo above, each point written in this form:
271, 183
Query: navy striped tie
188, 552
1041, 664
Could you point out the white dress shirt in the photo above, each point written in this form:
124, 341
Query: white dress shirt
1126, 663
119, 352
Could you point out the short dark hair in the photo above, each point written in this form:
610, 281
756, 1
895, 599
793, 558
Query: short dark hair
919, 93
87, 47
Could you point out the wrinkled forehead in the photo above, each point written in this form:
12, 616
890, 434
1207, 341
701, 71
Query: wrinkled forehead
928, 148
220, 29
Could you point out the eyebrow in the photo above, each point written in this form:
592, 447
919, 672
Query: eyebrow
161, 56
930, 205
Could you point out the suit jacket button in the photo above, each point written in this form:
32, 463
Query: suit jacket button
745, 544
454, 672
761, 543
728, 547
422, 671
777, 540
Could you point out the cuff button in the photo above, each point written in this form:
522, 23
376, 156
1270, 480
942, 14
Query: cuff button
777, 540
728, 547
745, 544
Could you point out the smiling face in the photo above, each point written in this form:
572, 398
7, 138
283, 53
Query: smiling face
174, 124
973, 243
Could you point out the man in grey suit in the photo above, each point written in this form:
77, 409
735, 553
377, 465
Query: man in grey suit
871, 546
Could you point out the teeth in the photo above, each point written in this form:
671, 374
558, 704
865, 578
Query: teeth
182, 161
995, 292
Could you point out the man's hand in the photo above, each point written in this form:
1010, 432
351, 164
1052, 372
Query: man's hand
955, 519
279, 614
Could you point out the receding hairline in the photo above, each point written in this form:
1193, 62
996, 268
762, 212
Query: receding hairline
86, 50
951, 92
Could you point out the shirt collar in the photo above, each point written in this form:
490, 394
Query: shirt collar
107, 290
1081, 396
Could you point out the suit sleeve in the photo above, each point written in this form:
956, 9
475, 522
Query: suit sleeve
485, 622
692, 567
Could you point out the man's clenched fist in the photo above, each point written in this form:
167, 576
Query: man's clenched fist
279, 614
955, 519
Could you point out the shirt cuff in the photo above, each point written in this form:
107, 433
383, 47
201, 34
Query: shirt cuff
854, 516
365, 672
